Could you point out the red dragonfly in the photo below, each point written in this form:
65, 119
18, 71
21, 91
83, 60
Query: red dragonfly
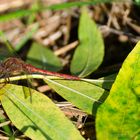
14, 65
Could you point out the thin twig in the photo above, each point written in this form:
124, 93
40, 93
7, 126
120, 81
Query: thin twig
66, 48
4, 123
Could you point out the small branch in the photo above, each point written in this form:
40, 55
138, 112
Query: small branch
4, 123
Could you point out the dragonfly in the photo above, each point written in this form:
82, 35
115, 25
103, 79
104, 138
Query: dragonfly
13, 65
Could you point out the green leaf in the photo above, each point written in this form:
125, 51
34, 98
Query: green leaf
118, 118
39, 119
90, 52
137, 2
82, 94
42, 57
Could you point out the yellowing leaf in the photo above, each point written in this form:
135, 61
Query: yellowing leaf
118, 118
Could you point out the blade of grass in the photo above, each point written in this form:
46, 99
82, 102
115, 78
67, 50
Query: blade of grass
26, 12
6, 128
27, 36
